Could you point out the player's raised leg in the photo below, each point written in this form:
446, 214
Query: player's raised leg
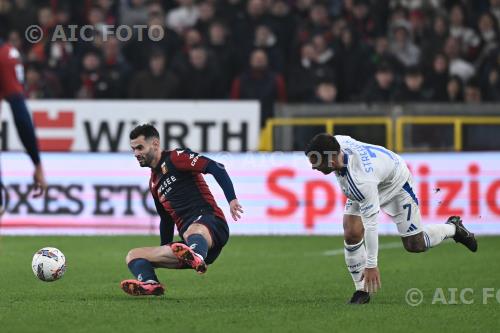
199, 241
419, 239
355, 256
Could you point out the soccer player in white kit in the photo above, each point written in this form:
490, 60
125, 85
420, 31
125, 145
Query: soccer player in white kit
374, 178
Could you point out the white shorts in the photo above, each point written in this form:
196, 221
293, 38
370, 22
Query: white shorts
403, 209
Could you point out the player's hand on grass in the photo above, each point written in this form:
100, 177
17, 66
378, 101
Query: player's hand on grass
39, 181
236, 209
372, 280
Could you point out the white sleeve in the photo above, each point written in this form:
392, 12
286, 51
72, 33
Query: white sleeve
369, 207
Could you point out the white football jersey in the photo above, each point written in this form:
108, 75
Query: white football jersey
372, 175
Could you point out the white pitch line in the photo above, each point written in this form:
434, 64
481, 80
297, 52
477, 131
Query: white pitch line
393, 245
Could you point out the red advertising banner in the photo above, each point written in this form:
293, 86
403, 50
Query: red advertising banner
281, 194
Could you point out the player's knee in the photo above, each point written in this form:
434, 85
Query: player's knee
414, 244
353, 229
131, 255
353, 235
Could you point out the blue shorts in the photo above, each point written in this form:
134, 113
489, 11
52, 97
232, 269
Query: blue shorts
219, 231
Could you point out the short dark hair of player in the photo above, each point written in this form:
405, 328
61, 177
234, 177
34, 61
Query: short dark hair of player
148, 130
324, 144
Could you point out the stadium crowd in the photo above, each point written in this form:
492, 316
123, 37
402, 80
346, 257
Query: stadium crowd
312, 51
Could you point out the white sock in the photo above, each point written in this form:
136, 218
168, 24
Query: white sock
355, 259
436, 233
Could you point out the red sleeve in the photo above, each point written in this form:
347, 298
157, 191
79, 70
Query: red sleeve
280, 83
11, 71
187, 160
235, 89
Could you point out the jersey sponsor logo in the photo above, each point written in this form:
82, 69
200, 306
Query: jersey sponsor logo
166, 185
194, 160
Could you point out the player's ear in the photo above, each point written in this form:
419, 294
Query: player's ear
156, 142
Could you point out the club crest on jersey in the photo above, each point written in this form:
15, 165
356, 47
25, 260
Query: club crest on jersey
164, 168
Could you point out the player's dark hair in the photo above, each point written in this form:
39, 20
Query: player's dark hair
148, 130
323, 144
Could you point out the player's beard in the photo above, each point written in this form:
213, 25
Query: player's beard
147, 159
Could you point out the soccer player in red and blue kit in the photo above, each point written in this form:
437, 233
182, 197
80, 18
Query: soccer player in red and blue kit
182, 198
11, 89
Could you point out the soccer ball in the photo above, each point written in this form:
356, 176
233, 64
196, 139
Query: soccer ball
49, 264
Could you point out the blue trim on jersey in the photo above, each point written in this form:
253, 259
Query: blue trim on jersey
354, 189
408, 189
345, 160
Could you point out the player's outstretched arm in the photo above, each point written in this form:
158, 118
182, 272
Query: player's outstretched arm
371, 274
221, 176
370, 207
27, 135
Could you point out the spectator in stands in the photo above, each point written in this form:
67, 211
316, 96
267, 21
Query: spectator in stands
325, 93
260, 83
224, 54
318, 23
454, 90
381, 53
200, 80
109, 10
266, 40
402, 46
434, 39
472, 92
91, 82
138, 52
489, 35
495, 9
284, 23
115, 67
157, 82
133, 12
436, 78
413, 87
457, 65
207, 16
469, 40
256, 14
351, 69
184, 16
37, 86
362, 21
21, 15
307, 74
382, 87
351, 39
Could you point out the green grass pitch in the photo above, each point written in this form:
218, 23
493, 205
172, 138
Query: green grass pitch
259, 284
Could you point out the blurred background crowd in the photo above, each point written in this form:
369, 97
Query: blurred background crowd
312, 51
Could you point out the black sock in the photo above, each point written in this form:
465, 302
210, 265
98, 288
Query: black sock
198, 243
142, 270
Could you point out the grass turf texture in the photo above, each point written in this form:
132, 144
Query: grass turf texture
259, 284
